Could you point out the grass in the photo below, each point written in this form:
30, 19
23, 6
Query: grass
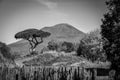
48, 59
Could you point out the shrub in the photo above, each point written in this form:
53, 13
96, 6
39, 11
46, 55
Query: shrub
67, 47
52, 45
61, 46
91, 47
32, 54
6, 51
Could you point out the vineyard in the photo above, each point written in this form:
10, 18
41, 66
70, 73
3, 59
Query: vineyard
46, 73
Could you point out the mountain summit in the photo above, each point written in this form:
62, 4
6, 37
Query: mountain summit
59, 32
64, 30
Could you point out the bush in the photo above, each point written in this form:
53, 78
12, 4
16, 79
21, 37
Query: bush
32, 54
44, 49
67, 47
52, 45
6, 51
91, 47
61, 46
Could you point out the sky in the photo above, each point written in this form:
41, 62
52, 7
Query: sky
18, 15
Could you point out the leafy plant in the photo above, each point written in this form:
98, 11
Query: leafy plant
91, 47
110, 31
6, 51
61, 46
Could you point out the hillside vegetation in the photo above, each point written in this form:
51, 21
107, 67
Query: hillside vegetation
5, 54
59, 32
68, 46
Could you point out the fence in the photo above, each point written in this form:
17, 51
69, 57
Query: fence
46, 73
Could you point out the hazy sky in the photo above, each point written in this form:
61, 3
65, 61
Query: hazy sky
17, 15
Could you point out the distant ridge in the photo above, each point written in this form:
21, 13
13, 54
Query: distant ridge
64, 28
59, 32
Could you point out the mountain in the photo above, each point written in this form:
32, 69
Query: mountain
59, 32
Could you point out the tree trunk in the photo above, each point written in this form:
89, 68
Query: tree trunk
34, 44
31, 50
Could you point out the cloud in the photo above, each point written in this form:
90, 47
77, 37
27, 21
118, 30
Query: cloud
50, 4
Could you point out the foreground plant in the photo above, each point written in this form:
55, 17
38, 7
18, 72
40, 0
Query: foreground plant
110, 30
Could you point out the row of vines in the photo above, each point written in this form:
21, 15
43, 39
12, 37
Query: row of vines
46, 73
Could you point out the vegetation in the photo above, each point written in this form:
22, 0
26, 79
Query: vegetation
110, 30
5, 52
49, 59
46, 73
91, 47
34, 37
67, 47
52, 45
64, 46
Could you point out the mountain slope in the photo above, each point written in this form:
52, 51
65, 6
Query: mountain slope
65, 30
59, 32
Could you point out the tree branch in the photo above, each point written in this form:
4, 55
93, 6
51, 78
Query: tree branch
41, 40
36, 40
33, 40
30, 43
